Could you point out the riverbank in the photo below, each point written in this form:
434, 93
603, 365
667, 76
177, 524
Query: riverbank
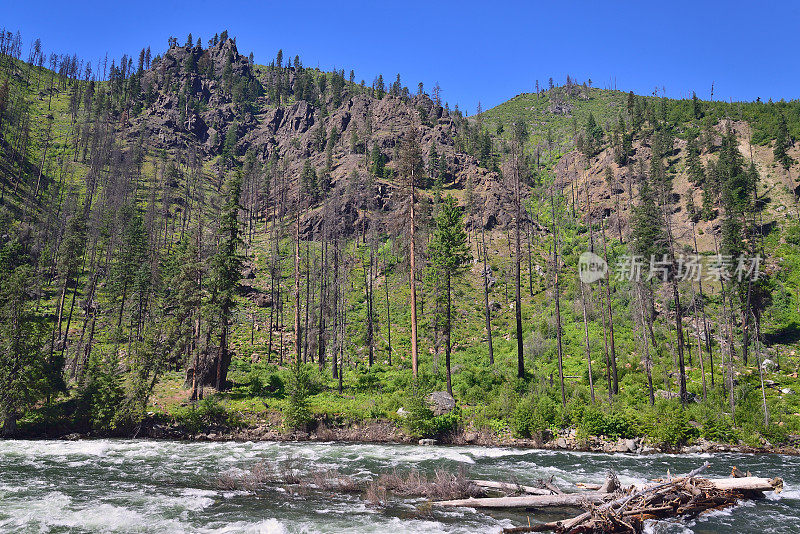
157, 427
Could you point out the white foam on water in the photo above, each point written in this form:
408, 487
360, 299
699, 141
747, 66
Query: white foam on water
196, 499
53, 449
790, 494
268, 526
57, 510
662, 527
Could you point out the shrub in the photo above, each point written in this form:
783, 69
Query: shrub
420, 421
270, 386
101, 400
296, 414
531, 417
718, 428
592, 422
204, 414
620, 424
666, 423
366, 380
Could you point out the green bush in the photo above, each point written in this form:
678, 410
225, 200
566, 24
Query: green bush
793, 234
101, 400
366, 380
420, 421
666, 423
592, 422
718, 428
296, 414
204, 414
531, 417
620, 424
271, 385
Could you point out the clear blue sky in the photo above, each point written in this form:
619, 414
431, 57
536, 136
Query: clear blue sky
481, 51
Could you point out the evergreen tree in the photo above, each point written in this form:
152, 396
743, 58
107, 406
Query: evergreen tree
695, 166
226, 272
377, 162
782, 142
593, 136
697, 110
24, 369
648, 238
449, 253
308, 180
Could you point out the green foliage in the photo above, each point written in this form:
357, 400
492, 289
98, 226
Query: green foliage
532, 416
420, 422
666, 423
102, 397
26, 375
271, 385
206, 415
296, 414
718, 428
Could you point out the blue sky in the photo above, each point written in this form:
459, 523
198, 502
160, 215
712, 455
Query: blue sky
477, 51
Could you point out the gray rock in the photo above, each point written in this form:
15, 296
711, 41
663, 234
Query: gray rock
769, 366
427, 441
441, 402
402, 412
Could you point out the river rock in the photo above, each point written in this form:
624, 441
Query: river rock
441, 402
427, 441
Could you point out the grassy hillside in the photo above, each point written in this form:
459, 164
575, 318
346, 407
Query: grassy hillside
124, 287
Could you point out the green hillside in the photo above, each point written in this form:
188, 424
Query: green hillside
160, 228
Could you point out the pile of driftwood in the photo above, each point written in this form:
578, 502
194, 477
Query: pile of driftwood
610, 509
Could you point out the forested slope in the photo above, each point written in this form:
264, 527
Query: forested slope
195, 226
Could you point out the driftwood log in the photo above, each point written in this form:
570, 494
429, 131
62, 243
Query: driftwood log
511, 488
549, 496
530, 501
610, 510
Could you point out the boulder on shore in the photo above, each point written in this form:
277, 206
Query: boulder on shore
441, 402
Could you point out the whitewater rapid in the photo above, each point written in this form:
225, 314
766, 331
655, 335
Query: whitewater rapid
132, 486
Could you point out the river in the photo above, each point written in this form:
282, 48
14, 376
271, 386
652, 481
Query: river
96, 486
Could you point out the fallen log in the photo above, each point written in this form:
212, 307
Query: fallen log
511, 487
609, 486
683, 496
529, 501
745, 484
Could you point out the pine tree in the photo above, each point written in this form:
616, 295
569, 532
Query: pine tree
449, 253
697, 110
411, 170
593, 136
782, 142
24, 372
308, 180
696, 170
226, 272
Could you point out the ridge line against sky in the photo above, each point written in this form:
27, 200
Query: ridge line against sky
477, 52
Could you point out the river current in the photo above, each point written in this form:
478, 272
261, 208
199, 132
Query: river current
139, 486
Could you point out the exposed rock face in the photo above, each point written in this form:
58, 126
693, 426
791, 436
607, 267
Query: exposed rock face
194, 103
